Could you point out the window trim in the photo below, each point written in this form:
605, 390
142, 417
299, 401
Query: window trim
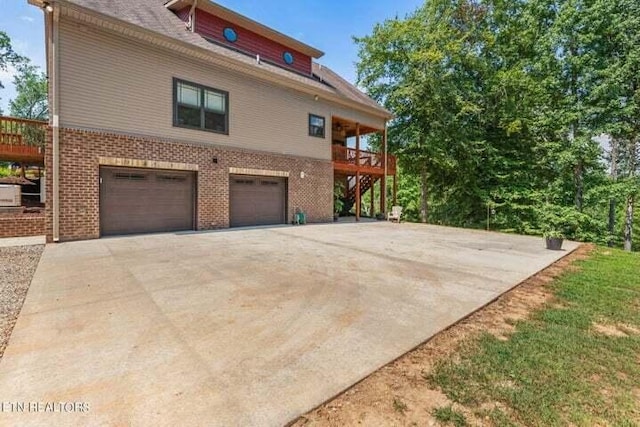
324, 125
202, 107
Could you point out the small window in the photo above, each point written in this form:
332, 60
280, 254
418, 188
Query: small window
200, 107
316, 126
288, 57
230, 35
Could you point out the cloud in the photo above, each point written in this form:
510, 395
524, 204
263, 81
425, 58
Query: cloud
28, 19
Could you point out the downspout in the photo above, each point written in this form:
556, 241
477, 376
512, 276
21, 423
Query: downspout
192, 17
53, 37
386, 159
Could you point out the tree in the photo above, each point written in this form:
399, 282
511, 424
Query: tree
615, 95
497, 104
32, 93
8, 57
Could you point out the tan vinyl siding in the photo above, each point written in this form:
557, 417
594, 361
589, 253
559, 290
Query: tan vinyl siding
108, 82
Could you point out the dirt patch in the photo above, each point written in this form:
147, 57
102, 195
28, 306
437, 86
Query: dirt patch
17, 266
617, 330
398, 394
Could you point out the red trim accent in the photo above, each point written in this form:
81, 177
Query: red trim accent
248, 42
184, 13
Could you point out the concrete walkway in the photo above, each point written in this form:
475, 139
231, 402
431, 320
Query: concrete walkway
7, 242
250, 327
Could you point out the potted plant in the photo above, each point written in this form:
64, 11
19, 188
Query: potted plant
557, 222
338, 202
554, 239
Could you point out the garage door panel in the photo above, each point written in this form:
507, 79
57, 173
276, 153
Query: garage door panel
257, 200
143, 201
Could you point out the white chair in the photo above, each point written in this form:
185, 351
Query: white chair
395, 214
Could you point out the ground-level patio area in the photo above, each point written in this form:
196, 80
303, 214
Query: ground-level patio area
243, 327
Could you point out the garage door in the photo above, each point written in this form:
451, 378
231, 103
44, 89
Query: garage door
257, 200
145, 200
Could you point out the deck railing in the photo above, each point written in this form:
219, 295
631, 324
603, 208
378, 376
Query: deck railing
22, 132
367, 159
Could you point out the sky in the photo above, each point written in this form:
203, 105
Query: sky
328, 25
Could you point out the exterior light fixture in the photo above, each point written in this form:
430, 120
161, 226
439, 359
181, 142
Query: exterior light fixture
47, 7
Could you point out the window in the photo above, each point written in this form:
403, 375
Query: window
288, 57
200, 107
230, 34
316, 126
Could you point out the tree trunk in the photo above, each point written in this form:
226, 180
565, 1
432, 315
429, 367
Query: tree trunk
424, 202
628, 223
578, 178
612, 200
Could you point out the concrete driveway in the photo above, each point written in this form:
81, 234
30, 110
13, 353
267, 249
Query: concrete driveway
246, 327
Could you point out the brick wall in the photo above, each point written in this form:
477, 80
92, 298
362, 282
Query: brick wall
79, 178
22, 225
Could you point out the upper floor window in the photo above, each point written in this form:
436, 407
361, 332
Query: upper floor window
288, 57
316, 126
230, 34
200, 107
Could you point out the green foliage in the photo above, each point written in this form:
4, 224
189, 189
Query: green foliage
338, 195
562, 221
5, 170
8, 56
446, 415
399, 406
31, 101
557, 368
497, 104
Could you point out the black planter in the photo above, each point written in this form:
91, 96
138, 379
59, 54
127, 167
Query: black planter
554, 243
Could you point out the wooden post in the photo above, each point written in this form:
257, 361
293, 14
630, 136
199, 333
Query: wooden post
358, 201
395, 190
383, 182
357, 195
373, 197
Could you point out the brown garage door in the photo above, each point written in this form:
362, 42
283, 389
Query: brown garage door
145, 200
257, 200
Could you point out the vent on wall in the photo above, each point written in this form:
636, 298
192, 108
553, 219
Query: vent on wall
173, 178
130, 176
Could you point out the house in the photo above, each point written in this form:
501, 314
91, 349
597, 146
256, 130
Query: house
184, 115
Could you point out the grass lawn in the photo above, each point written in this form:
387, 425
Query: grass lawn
575, 361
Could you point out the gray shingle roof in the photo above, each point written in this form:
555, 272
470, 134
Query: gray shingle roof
154, 16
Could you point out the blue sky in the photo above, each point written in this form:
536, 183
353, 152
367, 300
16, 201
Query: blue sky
327, 25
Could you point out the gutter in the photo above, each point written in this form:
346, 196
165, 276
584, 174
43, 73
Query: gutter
55, 69
51, 12
191, 25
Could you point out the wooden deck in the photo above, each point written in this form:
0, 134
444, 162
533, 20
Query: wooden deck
350, 160
22, 140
